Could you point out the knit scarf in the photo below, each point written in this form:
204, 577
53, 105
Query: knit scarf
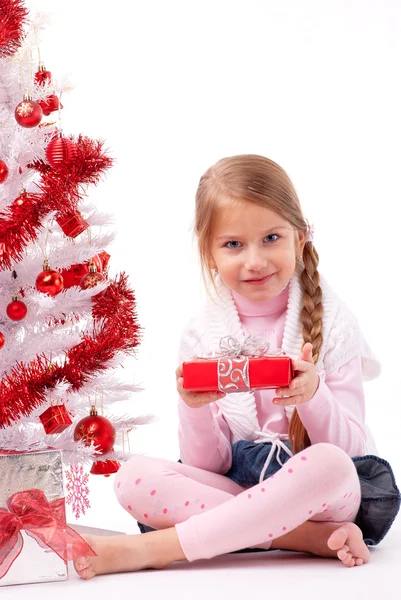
342, 341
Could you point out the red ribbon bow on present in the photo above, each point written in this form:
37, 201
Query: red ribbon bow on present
42, 520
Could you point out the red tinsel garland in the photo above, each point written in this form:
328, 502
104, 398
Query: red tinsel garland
116, 330
12, 20
61, 190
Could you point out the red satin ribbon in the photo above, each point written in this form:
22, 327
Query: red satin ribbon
42, 520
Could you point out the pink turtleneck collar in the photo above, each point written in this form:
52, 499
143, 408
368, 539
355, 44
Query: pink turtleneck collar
275, 306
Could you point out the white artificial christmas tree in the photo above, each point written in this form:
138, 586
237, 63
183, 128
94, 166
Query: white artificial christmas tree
65, 327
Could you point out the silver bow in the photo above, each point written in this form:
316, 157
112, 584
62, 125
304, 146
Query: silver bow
251, 346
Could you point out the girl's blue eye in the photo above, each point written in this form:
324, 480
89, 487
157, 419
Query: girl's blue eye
232, 245
270, 236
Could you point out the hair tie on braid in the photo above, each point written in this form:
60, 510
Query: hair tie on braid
310, 231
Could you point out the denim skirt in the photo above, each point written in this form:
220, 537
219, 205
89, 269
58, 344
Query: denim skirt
380, 496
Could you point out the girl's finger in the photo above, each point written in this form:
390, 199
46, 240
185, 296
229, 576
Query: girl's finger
281, 392
301, 365
297, 382
288, 401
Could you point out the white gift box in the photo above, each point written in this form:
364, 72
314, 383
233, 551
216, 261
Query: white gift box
20, 472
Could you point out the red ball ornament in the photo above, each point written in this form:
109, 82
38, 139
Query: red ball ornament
41, 76
16, 310
2, 340
3, 171
50, 104
28, 112
60, 151
49, 281
96, 429
21, 198
92, 279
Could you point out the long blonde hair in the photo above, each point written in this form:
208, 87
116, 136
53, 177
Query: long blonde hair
259, 180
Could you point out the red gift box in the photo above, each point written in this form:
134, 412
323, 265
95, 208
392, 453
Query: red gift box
55, 419
72, 224
237, 374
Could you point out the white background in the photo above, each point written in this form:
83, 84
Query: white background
174, 86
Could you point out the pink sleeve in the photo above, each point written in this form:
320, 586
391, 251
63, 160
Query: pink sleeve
203, 434
204, 437
336, 413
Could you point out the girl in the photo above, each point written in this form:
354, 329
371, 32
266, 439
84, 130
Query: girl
267, 469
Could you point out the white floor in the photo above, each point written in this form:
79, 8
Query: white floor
298, 576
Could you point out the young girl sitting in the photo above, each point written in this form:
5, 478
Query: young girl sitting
288, 468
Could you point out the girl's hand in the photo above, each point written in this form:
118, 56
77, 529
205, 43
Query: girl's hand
303, 387
195, 399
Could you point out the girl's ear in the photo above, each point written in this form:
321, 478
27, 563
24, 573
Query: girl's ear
301, 240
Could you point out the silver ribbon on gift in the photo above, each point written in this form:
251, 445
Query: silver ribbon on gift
233, 361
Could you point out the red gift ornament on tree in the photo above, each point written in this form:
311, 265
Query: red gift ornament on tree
72, 223
49, 281
3, 171
2, 340
96, 429
55, 419
60, 151
28, 112
50, 104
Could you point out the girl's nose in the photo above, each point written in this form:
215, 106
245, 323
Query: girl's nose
255, 260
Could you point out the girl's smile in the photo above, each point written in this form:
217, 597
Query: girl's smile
260, 280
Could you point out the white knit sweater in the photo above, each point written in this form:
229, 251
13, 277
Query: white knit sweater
342, 341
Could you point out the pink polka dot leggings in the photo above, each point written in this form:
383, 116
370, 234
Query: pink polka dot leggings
213, 515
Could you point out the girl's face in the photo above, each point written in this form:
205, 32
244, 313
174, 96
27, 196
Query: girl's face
255, 251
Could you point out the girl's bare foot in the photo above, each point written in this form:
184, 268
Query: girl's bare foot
122, 553
330, 540
348, 542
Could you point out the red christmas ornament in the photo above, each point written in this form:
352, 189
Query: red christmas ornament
21, 198
55, 419
97, 429
49, 281
3, 171
28, 112
72, 223
105, 467
60, 150
2, 340
41, 76
92, 279
17, 309
50, 104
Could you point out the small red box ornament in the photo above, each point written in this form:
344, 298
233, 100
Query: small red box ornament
238, 368
55, 419
72, 223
